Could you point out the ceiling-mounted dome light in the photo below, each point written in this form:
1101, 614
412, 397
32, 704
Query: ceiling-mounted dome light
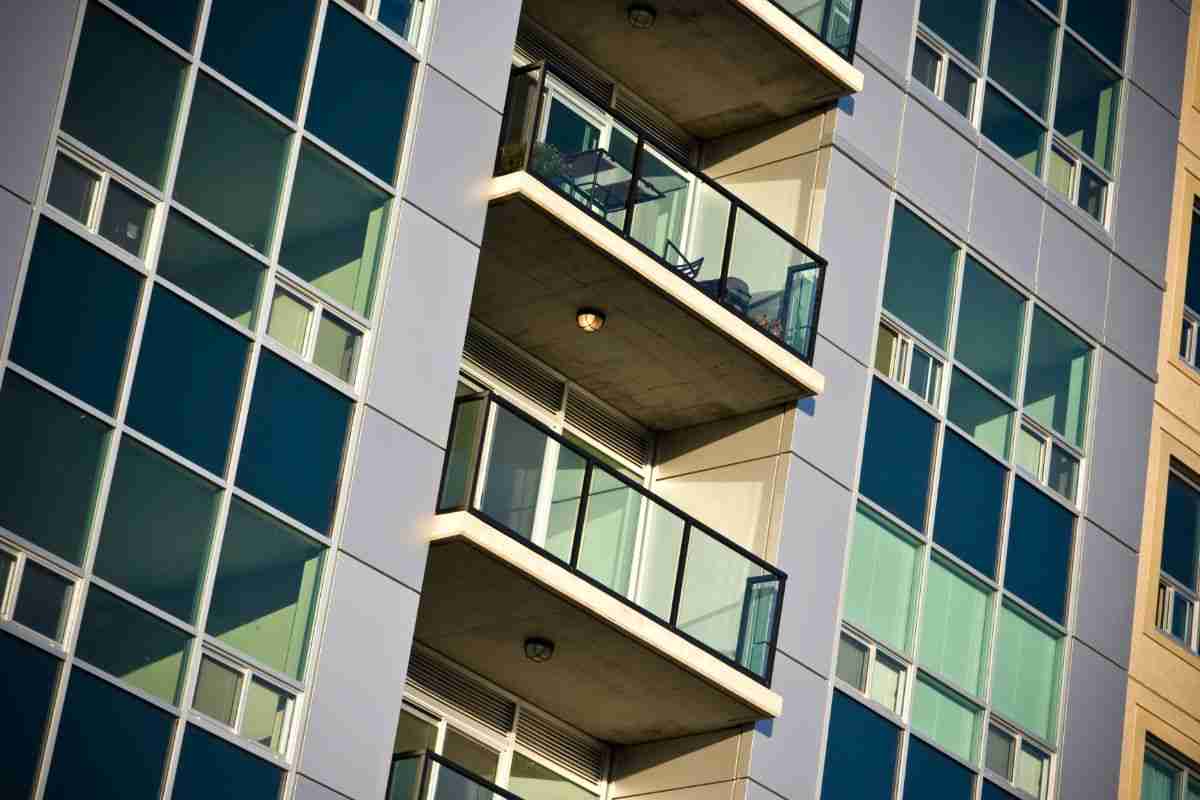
539, 650
590, 319
641, 16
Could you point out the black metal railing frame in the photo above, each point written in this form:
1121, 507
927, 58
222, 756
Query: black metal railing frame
823, 35
736, 205
469, 505
427, 759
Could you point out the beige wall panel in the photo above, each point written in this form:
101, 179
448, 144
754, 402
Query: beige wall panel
676, 763
726, 441
734, 500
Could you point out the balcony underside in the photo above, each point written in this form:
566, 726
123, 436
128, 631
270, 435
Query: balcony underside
669, 355
713, 66
615, 674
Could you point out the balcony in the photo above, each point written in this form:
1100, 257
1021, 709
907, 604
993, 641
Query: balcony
716, 67
428, 776
713, 310
662, 627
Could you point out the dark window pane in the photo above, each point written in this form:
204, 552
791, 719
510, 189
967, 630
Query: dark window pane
991, 319
960, 89
959, 23
52, 458
126, 218
218, 687
920, 276
1086, 109
1058, 378
335, 227
1022, 64
132, 645
1039, 551
110, 746
1092, 189
42, 600
932, 775
157, 527
993, 792
860, 757
1102, 23
29, 678
852, 662
1192, 294
188, 379
360, 77
229, 143
215, 272
210, 767
401, 16
1179, 531
999, 754
73, 188
897, 455
925, 65
298, 474
124, 95
266, 589
983, 415
1012, 130
76, 339
261, 47
175, 20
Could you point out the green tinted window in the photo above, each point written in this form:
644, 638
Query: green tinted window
1086, 111
1012, 130
261, 47
920, 276
954, 627
1057, 377
882, 580
945, 718
211, 270
959, 22
1022, 65
991, 317
1026, 673
987, 418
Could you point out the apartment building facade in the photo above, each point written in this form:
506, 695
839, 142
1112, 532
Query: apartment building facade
550, 400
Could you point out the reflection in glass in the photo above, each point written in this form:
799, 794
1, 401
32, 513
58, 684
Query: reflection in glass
43, 599
852, 662
73, 188
336, 350
208, 268
1086, 110
1058, 374
885, 350
531, 781
261, 47
958, 23
960, 89
471, 756
126, 219
1031, 450
860, 758
987, 418
1063, 472
1102, 24
1012, 130
1092, 189
1060, 172
887, 683
175, 20
998, 755
991, 318
217, 690
925, 65
289, 321
1022, 64
920, 276
267, 715
1181, 531
132, 645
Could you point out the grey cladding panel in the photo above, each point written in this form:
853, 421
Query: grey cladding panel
1073, 272
475, 49
1134, 305
1107, 582
14, 225
886, 31
1143, 209
1160, 50
1006, 221
827, 427
785, 756
311, 790
1091, 757
869, 120
937, 166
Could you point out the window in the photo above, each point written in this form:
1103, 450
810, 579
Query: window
991, 321
919, 287
955, 627
175, 21
30, 675
1058, 379
210, 269
211, 767
897, 455
98, 201
959, 24
929, 773
402, 16
943, 74
903, 360
1025, 677
860, 756
882, 579
980, 413
970, 502
1012, 757
864, 666
244, 701
1177, 592
42, 597
945, 717
1188, 341
314, 331
1039, 550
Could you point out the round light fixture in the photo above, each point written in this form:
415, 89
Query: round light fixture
539, 650
590, 319
641, 16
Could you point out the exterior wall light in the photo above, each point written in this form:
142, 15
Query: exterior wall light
590, 319
641, 16
539, 650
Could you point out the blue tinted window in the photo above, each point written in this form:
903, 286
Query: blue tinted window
897, 455
175, 20
292, 451
1039, 551
29, 675
993, 792
188, 377
919, 287
76, 315
361, 78
970, 502
261, 46
110, 746
930, 774
210, 768
860, 756
1179, 531
1102, 23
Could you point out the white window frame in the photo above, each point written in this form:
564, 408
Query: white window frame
876, 652
247, 674
1020, 742
11, 594
1050, 441
944, 58
318, 308
900, 368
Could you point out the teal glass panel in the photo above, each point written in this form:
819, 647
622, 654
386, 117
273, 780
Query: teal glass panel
1057, 378
43, 600
211, 270
261, 47
229, 143
1159, 779
1022, 65
335, 229
940, 715
1086, 109
126, 219
30, 675
958, 22
157, 528
529, 780
987, 418
1026, 673
210, 767
360, 76
969, 504
919, 288
1039, 550
175, 21
49, 479
610, 532
124, 95
860, 756
132, 645
1013, 131
404, 17
1102, 24
73, 189
661, 543
514, 470
1180, 531
91, 761
1192, 292
462, 456
298, 474
954, 627
266, 589
75, 339
991, 318
897, 455
188, 378
882, 580
564, 503
930, 774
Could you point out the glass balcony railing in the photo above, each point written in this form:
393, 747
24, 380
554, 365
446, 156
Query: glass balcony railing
835, 22
687, 222
428, 776
565, 502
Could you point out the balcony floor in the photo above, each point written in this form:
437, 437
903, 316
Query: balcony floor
669, 356
616, 674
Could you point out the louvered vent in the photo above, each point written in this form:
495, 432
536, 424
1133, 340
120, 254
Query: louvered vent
661, 131
486, 352
568, 750
608, 428
460, 692
535, 45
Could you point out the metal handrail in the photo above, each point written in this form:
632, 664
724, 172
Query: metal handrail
427, 759
823, 34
